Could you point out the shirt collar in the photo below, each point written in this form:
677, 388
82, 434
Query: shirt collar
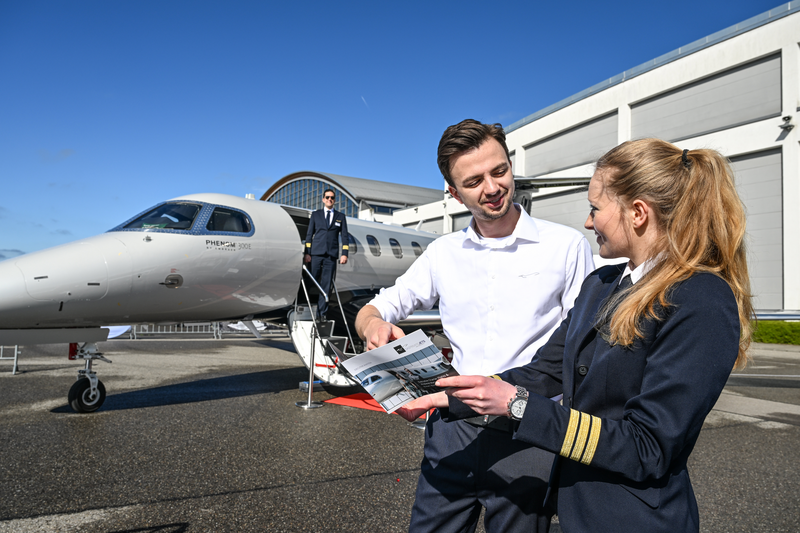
525, 230
639, 272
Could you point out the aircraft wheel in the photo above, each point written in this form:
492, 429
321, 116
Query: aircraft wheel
342, 391
80, 396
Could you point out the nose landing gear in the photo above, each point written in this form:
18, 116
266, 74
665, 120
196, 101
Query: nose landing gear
88, 393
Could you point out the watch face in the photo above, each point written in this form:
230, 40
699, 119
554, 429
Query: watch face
518, 408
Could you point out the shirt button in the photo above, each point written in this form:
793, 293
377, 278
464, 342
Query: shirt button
491, 308
583, 369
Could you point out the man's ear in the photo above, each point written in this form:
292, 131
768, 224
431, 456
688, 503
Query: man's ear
454, 193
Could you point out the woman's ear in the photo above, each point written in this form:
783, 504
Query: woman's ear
641, 213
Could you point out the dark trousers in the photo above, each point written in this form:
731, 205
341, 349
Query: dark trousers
323, 268
466, 468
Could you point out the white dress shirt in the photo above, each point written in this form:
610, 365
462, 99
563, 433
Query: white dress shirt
499, 299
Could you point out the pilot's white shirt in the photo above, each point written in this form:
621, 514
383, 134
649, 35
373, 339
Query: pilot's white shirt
499, 299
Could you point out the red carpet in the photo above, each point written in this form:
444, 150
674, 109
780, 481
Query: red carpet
362, 400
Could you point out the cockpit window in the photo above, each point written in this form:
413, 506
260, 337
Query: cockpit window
167, 216
228, 220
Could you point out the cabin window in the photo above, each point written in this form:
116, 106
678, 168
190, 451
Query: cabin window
396, 249
353, 245
167, 216
417, 248
228, 220
374, 247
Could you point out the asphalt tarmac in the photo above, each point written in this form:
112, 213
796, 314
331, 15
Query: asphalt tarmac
204, 435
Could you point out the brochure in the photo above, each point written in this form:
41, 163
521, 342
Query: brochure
400, 371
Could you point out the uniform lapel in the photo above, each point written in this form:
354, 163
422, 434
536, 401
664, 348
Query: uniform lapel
587, 314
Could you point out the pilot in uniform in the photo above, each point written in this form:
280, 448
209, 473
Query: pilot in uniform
322, 246
630, 415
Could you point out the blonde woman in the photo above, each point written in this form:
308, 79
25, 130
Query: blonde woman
645, 352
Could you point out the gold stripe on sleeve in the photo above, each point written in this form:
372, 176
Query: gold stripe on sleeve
308, 245
345, 247
594, 437
495, 376
574, 416
580, 442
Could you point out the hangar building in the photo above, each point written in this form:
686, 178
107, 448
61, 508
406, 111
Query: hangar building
355, 197
737, 91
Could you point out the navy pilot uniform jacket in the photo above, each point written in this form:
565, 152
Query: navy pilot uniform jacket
324, 240
630, 415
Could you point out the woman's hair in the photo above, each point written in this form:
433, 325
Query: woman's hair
701, 223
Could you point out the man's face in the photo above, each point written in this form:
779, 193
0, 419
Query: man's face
327, 200
484, 181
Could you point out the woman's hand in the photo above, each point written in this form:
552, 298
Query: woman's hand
416, 408
486, 396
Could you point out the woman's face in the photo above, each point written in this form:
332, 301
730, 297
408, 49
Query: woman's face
607, 220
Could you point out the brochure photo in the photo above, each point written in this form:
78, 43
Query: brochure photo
400, 371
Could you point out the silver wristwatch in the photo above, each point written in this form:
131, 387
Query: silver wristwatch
517, 404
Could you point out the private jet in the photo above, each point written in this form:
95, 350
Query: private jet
201, 257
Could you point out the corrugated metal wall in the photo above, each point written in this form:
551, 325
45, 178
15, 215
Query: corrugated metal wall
759, 182
576, 146
737, 96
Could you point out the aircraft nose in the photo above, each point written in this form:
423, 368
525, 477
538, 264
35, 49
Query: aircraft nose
75, 271
53, 287
12, 288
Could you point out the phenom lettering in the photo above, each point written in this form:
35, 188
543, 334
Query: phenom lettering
221, 244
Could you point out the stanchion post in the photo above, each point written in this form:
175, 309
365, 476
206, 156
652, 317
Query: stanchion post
309, 404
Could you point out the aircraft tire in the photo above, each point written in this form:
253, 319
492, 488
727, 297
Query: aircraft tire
80, 399
342, 391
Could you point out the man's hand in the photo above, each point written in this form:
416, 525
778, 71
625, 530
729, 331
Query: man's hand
486, 396
343, 260
371, 327
418, 407
307, 258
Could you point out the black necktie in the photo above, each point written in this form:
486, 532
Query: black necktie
329, 219
624, 284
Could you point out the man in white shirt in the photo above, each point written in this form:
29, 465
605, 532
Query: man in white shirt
503, 285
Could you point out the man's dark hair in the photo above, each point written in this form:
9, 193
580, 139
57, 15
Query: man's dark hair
326, 191
466, 135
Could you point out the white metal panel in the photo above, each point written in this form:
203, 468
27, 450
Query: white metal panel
576, 146
569, 209
737, 96
461, 221
759, 182
433, 225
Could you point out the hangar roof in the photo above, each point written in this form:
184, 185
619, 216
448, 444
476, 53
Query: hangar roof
705, 42
369, 190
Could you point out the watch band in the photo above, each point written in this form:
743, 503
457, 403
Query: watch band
522, 394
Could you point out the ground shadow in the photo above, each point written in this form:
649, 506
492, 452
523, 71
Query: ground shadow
269, 381
166, 528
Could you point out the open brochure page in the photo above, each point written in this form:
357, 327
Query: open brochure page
400, 371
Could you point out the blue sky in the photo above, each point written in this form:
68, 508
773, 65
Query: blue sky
109, 107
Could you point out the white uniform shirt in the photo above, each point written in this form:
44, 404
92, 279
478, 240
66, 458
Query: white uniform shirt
499, 299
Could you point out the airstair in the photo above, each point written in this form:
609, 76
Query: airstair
311, 337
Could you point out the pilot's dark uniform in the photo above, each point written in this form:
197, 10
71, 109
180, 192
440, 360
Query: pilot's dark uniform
322, 243
630, 416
